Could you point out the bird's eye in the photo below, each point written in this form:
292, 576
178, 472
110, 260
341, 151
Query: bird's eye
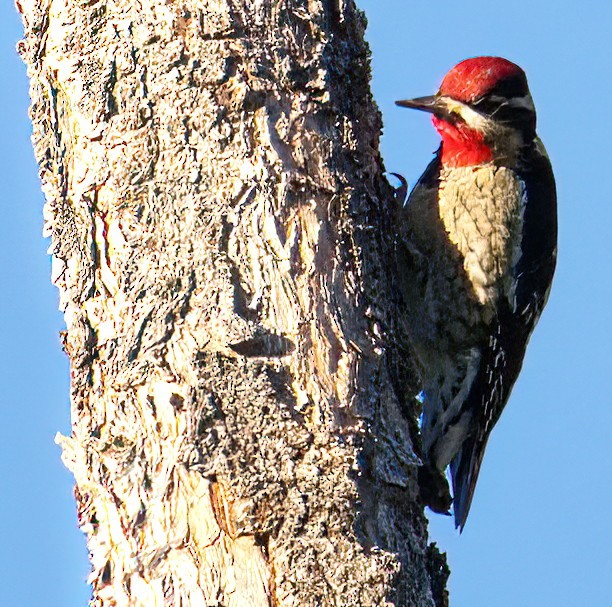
488, 101
515, 112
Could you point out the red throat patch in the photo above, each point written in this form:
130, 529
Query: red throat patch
461, 146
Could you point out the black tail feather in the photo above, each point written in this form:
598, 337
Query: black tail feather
464, 473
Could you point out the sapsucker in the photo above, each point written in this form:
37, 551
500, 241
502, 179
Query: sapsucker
476, 259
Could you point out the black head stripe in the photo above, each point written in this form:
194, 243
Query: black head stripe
512, 86
503, 104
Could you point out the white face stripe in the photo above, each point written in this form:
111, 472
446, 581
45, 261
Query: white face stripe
471, 117
477, 121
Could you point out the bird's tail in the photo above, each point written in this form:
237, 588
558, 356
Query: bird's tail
465, 467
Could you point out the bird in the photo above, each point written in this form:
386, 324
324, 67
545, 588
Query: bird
476, 253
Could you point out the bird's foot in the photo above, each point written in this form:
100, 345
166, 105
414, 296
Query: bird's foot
434, 490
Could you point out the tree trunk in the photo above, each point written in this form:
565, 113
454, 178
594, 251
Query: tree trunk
243, 412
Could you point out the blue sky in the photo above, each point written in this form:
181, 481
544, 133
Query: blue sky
539, 531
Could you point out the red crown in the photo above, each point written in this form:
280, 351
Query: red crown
475, 77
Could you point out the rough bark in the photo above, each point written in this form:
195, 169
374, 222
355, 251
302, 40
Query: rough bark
243, 421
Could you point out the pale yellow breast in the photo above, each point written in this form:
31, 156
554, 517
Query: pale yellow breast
481, 209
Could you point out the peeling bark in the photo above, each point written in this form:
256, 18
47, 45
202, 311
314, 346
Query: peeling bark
243, 422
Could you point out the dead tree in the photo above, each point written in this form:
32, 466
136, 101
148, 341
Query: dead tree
243, 421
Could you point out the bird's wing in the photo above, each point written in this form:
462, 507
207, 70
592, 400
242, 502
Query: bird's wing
502, 358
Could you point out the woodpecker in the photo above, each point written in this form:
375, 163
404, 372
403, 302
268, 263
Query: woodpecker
476, 260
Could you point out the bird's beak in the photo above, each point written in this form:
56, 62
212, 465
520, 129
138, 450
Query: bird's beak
425, 104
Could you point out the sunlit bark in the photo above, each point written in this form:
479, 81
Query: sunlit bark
241, 409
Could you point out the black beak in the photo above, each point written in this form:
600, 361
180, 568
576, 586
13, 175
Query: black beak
425, 104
